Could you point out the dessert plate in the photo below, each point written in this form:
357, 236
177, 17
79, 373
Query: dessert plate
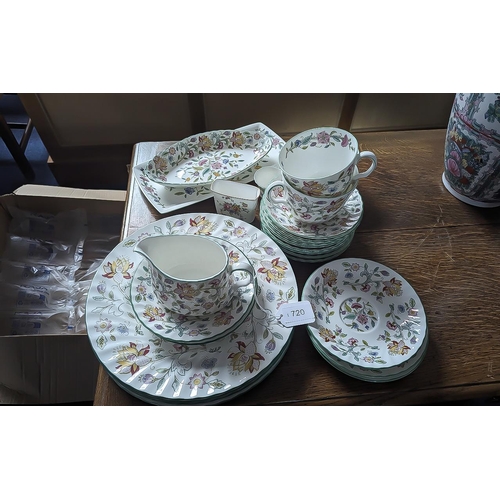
167, 199
182, 329
202, 158
368, 314
165, 372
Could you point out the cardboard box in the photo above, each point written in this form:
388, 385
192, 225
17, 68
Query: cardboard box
59, 368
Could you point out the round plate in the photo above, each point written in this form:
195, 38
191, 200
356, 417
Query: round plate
373, 374
169, 373
202, 158
221, 398
368, 314
310, 255
304, 244
152, 313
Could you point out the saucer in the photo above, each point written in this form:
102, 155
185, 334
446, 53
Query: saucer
321, 245
368, 314
347, 218
295, 248
377, 375
158, 319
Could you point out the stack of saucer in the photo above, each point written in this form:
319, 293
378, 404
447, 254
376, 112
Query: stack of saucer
311, 241
369, 322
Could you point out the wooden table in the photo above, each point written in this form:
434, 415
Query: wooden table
447, 250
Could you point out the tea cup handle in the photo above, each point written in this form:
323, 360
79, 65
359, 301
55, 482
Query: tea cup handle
242, 266
269, 192
371, 168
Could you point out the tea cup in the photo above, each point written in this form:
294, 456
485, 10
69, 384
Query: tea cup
304, 207
191, 274
322, 161
235, 199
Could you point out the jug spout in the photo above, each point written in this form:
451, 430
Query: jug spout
147, 248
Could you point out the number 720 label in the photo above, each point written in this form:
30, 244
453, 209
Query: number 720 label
297, 313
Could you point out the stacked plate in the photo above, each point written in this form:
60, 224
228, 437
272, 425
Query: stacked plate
168, 359
370, 323
311, 242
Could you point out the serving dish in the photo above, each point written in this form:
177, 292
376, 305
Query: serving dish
168, 199
203, 158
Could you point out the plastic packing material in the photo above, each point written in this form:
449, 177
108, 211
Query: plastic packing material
36, 274
27, 297
81, 290
47, 268
25, 249
57, 322
96, 248
69, 226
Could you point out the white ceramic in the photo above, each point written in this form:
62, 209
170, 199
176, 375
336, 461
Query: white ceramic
368, 314
235, 199
375, 374
161, 372
322, 161
265, 176
168, 199
307, 208
202, 158
192, 275
305, 254
158, 319
348, 217
472, 161
304, 248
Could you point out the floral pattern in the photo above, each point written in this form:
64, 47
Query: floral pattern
203, 158
245, 358
472, 162
480, 112
348, 217
328, 189
167, 199
152, 311
366, 312
331, 186
307, 208
229, 205
377, 372
358, 314
321, 139
163, 372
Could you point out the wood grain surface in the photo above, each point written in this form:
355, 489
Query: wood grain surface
447, 250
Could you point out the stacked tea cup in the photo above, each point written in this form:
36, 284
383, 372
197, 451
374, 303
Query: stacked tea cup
313, 212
